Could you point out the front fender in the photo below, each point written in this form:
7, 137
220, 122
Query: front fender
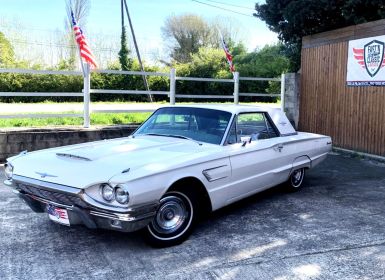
153, 186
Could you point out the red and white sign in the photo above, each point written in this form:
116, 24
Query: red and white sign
366, 62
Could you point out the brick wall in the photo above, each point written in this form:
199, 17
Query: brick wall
14, 141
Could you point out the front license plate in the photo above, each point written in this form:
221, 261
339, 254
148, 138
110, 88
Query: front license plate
58, 215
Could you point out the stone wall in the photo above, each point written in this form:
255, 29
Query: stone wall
14, 141
291, 98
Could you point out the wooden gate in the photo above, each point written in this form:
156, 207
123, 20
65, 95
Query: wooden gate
353, 116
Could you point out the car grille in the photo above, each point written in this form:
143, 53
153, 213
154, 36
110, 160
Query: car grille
65, 199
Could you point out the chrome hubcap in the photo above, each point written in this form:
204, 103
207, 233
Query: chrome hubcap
296, 177
171, 215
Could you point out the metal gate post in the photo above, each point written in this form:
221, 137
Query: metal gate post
172, 85
283, 92
86, 95
236, 87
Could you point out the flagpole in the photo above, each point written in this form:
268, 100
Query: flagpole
86, 70
69, 14
137, 51
224, 48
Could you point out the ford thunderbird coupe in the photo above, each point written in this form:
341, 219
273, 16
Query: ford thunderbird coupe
180, 164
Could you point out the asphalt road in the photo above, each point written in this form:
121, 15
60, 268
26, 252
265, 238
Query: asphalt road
333, 229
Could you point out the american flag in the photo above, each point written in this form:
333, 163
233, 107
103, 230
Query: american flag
229, 57
60, 213
57, 212
85, 51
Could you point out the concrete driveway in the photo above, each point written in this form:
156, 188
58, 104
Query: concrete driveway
333, 229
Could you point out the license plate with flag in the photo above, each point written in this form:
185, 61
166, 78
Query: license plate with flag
58, 215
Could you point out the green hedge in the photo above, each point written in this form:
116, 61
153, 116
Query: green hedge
207, 63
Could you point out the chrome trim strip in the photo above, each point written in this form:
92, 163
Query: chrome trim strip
122, 217
93, 202
209, 169
227, 130
17, 179
50, 202
128, 217
289, 134
284, 142
76, 192
211, 179
72, 156
113, 216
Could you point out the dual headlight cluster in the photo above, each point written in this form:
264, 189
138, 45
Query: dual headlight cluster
8, 171
117, 193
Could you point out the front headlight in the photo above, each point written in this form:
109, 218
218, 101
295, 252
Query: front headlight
121, 195
108, 192
8, 171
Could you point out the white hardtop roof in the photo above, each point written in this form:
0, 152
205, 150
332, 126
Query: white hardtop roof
277, 116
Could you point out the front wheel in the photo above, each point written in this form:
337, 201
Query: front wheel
294, 183
174, 220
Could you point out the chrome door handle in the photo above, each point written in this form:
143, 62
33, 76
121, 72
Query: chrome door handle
278, 147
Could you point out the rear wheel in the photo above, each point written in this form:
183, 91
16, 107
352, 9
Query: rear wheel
295, 180
174, 220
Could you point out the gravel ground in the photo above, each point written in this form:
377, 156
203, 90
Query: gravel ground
332, 229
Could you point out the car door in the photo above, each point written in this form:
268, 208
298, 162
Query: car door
257, 155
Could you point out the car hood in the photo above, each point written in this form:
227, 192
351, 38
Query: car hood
87, 164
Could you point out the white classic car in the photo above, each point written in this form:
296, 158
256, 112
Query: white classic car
180, 164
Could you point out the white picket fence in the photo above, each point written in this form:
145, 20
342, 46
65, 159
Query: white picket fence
172, 93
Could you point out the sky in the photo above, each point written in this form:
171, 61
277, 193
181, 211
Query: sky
41, 17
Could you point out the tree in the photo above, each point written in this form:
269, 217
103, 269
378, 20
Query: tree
124, 53
293, 19
211, 62
187, 33
124, 59
268, 62
7, 55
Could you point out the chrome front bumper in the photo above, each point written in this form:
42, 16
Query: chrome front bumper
37, 195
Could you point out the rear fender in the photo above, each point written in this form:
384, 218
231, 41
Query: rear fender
301, 162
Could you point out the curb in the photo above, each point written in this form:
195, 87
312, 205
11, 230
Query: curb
360, 154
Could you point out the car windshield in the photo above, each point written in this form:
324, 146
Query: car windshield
199, 124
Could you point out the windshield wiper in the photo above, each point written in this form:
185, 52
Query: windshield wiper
174, 136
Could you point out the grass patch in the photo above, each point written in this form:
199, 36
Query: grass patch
96, 119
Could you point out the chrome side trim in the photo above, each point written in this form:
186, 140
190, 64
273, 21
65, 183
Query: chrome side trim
209, 169
209, 177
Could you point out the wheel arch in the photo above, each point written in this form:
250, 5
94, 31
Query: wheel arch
187, 184
303, 161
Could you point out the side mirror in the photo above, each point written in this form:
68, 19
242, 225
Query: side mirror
245, 140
